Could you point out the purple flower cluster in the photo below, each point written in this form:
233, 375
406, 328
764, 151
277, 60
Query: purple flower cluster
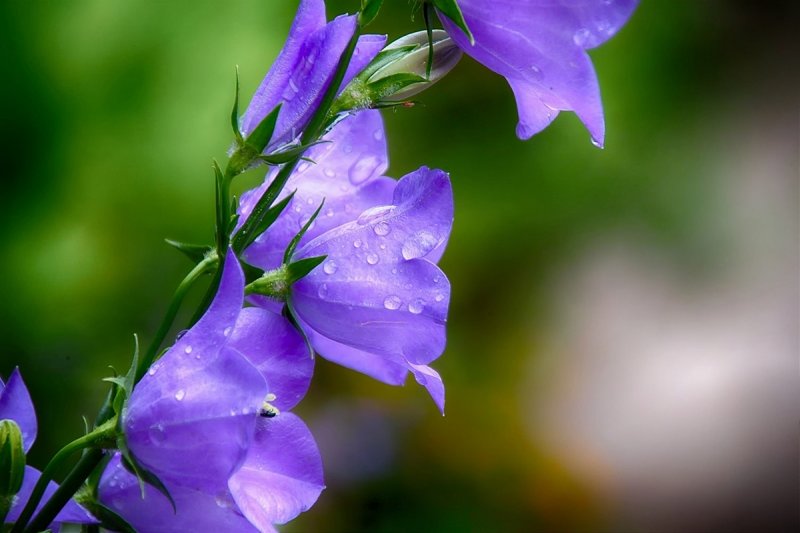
16, 405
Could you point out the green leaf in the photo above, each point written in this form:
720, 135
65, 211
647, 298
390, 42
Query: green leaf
109, 519
269, 218
386, 87
235, 112
141, 473
300, 269
287, 256
195, 252
259, 137
284, 156
369, 10
385, 57
451, 10
290, 315
427, 11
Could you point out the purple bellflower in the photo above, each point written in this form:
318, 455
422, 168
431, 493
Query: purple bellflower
303, 70
16, 405
539, 46
194, 422
397, 267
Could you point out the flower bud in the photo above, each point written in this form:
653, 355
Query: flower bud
400, 71
446, 54
12, 458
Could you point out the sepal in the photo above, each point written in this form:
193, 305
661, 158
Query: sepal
195, 252
369, 10
451, 10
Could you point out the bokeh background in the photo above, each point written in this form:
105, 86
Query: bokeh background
623, 333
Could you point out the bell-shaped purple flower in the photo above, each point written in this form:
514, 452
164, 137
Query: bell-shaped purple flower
303, 70
16, 405
347, 174
378, 304
540, 48
194, 421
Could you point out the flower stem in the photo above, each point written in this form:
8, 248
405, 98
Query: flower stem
201, 268
100, 434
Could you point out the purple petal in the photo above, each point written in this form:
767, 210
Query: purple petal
278, 351
196, 510
16, 405
282, 475
310, 18
71, 513
198, 404
432, 381
382, 297
304, 71
539, 47
346, 174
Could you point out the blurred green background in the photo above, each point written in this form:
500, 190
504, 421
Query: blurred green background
623, 332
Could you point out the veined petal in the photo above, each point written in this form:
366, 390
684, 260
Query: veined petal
282, 475
72, 513
278, 351
16, 405
195, 510
382, 297
346, 173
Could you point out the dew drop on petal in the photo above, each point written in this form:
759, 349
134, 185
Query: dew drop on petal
416, 306
180, 395
378, 134
187, 350
322, 292
226, 331
439, 297
157, 434
581, 37
363, 169
152, 370
357, 243
372, 259
392, 302
536, 73
382, 229
329, 172
374, 213
330, 266
419, 245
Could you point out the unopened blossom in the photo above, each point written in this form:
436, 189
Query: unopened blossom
16, 405
540, 48
303, 70
378, 303
207, 417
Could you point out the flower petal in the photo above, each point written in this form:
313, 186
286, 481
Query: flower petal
346, 175
381, 297
195, 510
432, 381
16, 404
282, 475
71, 513
278, 351
539, 47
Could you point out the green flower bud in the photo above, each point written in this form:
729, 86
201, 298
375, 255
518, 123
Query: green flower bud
12, 458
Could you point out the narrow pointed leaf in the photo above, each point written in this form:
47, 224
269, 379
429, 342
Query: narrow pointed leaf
141, 473
195, 252
269, 217
235, 111
369, 10
296, 240
111, 520
300, 269
259, 138
451, 10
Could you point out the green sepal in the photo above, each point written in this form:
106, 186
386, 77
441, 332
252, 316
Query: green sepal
287, 255
235, 112
141, 473
108, 518
260, 136
369, 10
284, 156
195, 252
269, 218
290, 315
251, 273
300, 269
451, 10
384, 58
427, 11
386, 87
12, 458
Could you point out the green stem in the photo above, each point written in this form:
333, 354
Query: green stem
311, 134
100, 434
71, 484
177, 299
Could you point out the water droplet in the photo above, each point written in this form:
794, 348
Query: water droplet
329, 172
439, 297
419, 245
310, 201
536, 73
437, 279
322, 292
416, 306
293, 86
392, 302
329, 267
157, 434
297, 209
376, 212
245, 410
233, 412
382, 229
187, 350
372, 259
226, 331
597, 143
152, 370
328, 213
180, 395
382, 246
581, 37
394, 271
378, 134
348, 148
357, 243
363, 169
